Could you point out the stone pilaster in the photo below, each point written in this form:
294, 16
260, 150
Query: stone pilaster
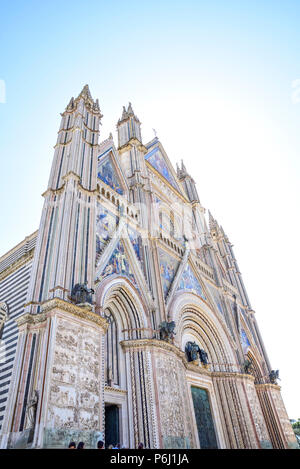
276, 418
60, 352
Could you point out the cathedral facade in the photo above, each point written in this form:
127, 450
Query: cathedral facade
125, 317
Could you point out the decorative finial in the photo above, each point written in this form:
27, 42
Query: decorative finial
130, 110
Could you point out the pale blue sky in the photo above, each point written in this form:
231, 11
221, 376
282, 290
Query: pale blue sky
215, 79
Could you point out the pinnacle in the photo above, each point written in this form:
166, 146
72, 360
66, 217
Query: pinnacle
85, 93
128, 113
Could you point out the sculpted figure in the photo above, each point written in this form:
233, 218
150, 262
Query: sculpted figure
274, 376
192, 349
166, 330
31, 409
247, 366
82, 294
203, 357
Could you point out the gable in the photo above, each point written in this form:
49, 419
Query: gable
168, 266
108, 174
244, 341
106, 223
156, 158
118, 264
189, 281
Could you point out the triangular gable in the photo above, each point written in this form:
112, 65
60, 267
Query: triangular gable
108, 174
244, 341
136, 241
110, 171
118, 264
106, 224
158, 158
189, 281
216, 298
168, 266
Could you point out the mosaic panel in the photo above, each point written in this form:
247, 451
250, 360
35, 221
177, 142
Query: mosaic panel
106, 223
189, 282
168, 267
156, 159
216, 297
107, 174
118, 264
244, 341
136, 241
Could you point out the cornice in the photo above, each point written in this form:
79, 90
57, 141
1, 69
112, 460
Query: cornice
79, 311
154, 343
111, 389
30, 319
17, 264
69, 176
232, 374
263, 387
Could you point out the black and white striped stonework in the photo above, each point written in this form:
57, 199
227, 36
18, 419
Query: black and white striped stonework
13, 290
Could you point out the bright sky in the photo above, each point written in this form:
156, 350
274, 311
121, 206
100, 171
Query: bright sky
218, 82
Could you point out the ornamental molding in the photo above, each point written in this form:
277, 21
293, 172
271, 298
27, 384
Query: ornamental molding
265, 387
116, 390
79, 186
30, 319
152, 343
232, 374
81, 312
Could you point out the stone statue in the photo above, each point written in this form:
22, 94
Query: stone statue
274, 376
247, 366
192, 349
166, 330
31, 409
203, 357
82, 294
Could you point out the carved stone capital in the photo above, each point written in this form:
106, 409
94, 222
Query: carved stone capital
31, 319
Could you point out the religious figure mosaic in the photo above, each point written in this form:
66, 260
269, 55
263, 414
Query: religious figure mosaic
244, 341
156, 159
106, 224
118, 264
168, 268
189, 282
136, 240
107, 174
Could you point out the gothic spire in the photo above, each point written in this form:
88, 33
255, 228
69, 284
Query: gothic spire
90, 104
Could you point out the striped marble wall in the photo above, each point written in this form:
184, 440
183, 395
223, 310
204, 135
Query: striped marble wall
13, 290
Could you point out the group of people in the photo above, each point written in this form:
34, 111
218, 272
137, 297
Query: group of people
100, 445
